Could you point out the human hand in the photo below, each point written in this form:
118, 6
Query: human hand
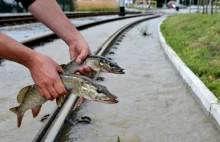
79, 50
44, 72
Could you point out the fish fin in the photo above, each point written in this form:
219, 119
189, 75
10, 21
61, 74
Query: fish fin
19, 120
79, 102
22, 93
14, 109
92, 74
35, 111
19, 115
96, 75
60, 101
62, 65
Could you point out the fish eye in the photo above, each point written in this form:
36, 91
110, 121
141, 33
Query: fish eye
101, 63
111, 65
99, 91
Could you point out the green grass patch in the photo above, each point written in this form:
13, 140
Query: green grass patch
196, 39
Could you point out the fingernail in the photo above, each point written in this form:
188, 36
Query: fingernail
78, 73
78, 61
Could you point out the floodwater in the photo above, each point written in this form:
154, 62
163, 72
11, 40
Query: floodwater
28, 31
155, 105
14, 77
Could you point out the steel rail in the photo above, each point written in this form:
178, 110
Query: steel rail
21, 19
50, 132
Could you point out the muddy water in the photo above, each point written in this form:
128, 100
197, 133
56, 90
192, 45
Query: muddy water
13, 77
154, 105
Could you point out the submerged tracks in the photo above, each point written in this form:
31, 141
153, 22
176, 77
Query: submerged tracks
58, 117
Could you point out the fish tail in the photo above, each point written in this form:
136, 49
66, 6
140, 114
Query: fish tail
19, 115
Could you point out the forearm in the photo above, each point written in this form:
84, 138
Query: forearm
14, 51
49, 13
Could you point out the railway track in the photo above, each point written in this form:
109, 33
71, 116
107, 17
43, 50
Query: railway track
57, 119
22, 19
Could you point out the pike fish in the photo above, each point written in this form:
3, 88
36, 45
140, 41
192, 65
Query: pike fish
96, 63
29, 97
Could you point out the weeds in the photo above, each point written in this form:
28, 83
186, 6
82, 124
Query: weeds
195, 38
118, 139
144, 31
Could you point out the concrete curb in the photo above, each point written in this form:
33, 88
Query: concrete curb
206, 97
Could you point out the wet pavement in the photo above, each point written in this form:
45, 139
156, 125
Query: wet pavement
14, 77
155, 105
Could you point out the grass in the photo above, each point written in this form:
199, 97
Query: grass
96, 6
196, 39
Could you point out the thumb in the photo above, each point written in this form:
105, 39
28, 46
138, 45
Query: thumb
82, 56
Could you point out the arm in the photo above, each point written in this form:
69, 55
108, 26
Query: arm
42, 68
49, 13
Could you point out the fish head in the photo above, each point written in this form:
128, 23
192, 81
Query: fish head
104, 96
109, 66
96, 92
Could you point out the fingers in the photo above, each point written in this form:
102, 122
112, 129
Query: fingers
47, 94
73, 55
82, 71
85, 71
52, 87
60, 89
73, 52
44, 93
55, 87
53, 91
79, 50
82, 56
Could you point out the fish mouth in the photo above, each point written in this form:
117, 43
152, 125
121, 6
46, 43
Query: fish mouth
121, 71
110, 101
